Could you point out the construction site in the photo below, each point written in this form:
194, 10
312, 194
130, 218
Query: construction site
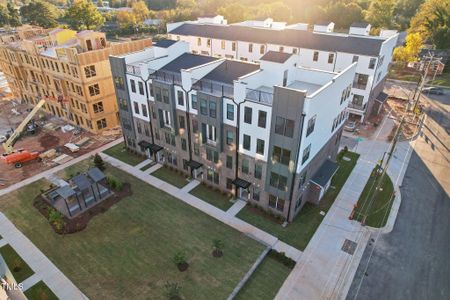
34, 141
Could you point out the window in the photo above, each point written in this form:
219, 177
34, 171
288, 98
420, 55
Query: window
166, 118
306, 153
150, 88
199, 41
208, 133
246, 142
180, 98
212, 176
144, 110
247, 115
360, 81
181, 122
123, 104
212, 109
94, 90
98, 107
230, 112
208, 42
183, 144
196, 149
258, 170
330, 58
281, 155
158, 94
194, 101
316, 56
230, 137
101, 124
276, 203
141, 87
262, 116
355, 58
260, 146
302, 179
281, 49
250, 48
245, 166
294, 50
229, 183
284, 126
165, 94
203, 107
136, 107
194, 126
256, 193
212, 155
133, 85
311, 125
372, 63
229, 162
278, 181
233, 46
261, 49
357, 100
222, 45
89, 71
139, 128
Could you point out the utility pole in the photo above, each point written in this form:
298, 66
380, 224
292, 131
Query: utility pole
420, 87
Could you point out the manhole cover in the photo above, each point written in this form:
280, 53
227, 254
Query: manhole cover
349, 246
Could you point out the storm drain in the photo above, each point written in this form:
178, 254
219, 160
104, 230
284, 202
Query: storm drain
349, 246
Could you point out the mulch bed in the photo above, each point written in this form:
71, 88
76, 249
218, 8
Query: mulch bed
183, 266
217, 253
80, 222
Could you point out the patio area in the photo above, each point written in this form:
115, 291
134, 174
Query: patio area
79, 194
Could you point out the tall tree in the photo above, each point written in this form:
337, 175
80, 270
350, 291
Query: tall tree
439, 28
84, 15
410, 51
234, 12
4, 16
40, 13
405, 10
140, 11
14, 19
425, 15
381, 13
342, 13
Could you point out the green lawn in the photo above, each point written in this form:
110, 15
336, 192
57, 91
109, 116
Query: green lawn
378, 211
127, 251
300, 231
212, 196
170, 176
18, 267
120, 152
266, 281
443, 80
40, 291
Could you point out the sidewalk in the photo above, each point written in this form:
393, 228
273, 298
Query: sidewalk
207, 208
43, 268
325, 271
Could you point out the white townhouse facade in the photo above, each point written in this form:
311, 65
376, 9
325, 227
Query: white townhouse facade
320, 49
256, 130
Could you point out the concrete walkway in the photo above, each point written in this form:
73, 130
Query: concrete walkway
51, 171
248, 229
190, 186
325, 271
236, 208
43, 268
152, 169
143, 164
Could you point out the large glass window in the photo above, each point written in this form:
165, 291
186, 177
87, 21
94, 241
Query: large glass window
203, 107
284, 126
230, 112
180, 98
248, 115
245, 166
262, 117
311, 125
246, 143
230, 137
258, 170
306, 153
194, 101
212, 109
260, 146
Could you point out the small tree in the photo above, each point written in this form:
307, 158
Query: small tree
217, 247
172, 290
98, 162
180, 260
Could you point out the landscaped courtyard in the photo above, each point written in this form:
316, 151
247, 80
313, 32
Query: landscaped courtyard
300, 231
127, 252
120, 152
213, 197
171, 176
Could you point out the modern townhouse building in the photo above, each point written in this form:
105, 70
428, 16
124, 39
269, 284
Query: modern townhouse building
69, 70
318, 48
266, 132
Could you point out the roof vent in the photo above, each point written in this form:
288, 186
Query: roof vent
359, 28
324, 27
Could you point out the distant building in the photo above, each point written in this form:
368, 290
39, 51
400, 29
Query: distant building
434, 61
320, 48
69, 69
267, 132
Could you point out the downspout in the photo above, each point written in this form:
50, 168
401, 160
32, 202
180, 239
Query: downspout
238, 117
291, 193
188, 124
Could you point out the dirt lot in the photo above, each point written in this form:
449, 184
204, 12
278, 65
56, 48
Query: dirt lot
44, 139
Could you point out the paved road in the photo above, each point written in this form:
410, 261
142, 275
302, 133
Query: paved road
412, 262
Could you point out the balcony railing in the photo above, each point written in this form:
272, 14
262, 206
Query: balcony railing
134, 70
357, 106
214, 88
259, 96
361, 86
166, 77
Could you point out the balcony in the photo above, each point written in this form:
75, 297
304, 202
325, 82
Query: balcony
360, 86
133, 70
357, 106
260, 96
166, 77
214, 88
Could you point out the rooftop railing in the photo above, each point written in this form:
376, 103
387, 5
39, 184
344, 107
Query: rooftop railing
167, 77
259, 96
214, 88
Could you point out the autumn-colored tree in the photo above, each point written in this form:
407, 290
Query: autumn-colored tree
40, 13
342, 13
410, 51
234, 12
439, 28
13, 15
84, 15
140, 11
126, 19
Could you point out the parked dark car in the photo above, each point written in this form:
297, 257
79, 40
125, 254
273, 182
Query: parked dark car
433, 90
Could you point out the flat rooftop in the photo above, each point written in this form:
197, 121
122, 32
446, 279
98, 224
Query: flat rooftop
231, 70
187, 61
310, 88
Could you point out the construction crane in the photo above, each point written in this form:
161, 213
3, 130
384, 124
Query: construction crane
20, 156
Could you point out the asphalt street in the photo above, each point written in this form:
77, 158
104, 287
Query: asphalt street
413, 261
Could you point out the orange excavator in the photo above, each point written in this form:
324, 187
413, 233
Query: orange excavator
20, 156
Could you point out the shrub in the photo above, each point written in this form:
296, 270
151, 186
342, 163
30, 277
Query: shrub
55, 218
98, 162
172, 290
218, 244
179, 258
281, 257
114, 183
